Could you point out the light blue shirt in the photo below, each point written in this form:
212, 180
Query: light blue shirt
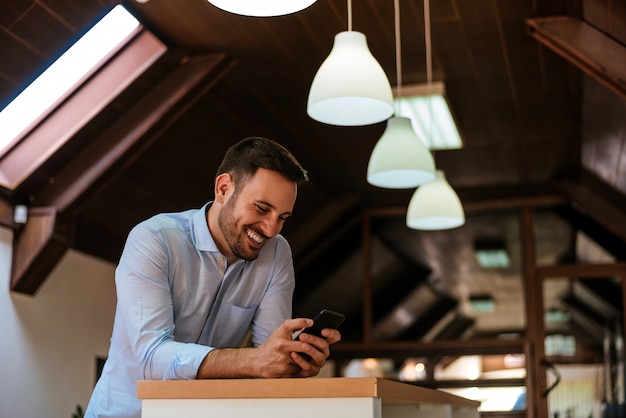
177, 300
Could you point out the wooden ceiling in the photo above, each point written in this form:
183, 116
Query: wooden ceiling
537, 131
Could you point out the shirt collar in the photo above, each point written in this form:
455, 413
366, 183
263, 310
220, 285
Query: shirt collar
199, 226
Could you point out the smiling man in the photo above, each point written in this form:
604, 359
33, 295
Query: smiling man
191, 285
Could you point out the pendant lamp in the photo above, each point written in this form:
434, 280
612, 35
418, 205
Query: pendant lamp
435, 206
400, 159
262, 8
350, 88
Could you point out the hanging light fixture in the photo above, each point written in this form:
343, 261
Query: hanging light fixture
400, 159
433, 121
434, 205
262, 8
350, 87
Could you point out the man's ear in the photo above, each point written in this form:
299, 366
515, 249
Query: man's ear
223, 187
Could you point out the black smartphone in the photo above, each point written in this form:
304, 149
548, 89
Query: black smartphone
324, 319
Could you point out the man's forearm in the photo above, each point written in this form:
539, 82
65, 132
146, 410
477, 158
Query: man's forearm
230, 363
278, 356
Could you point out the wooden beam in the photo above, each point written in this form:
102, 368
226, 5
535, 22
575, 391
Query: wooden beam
592, 51
41, 244
608, 215
67, 118
366, 277
6, 214
309, 239
37, 248
121, 144
587, 271
433, 348
537, 406
484, 204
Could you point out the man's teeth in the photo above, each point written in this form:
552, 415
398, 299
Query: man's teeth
254, 236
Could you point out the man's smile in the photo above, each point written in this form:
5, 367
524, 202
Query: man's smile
254, 236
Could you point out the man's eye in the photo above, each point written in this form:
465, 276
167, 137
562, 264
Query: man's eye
262, 209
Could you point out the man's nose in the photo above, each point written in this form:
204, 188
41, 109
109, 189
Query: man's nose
271, 227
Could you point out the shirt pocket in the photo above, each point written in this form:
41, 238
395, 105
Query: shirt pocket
232, 324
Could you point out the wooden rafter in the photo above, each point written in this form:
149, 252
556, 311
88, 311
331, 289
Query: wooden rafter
592, 51
45, 238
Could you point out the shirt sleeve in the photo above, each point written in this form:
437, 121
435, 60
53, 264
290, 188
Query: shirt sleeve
276, 305
145, 310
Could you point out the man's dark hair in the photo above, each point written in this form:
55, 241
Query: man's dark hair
243, 159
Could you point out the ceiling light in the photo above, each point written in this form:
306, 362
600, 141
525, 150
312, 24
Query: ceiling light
514, 361
435, 206
491, 253
400, 159
482, 304
430, 114
350, 87
560, 345
556, 316
492, 258
262, 8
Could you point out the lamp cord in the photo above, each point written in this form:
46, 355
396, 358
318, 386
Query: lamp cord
429, 66
396, 8
429, 59
349, 15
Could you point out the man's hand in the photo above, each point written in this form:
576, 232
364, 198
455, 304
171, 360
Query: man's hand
313, 351
279, 356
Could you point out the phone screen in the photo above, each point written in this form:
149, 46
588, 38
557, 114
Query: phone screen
324, 319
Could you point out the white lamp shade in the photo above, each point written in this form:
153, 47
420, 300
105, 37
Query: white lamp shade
350, 87
262, 8
400, 160
435, 206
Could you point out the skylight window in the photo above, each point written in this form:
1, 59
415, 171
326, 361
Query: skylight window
65, 75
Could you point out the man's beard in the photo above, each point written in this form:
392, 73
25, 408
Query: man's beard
235, 239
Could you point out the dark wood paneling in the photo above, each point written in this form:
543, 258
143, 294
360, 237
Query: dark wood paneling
518, 103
